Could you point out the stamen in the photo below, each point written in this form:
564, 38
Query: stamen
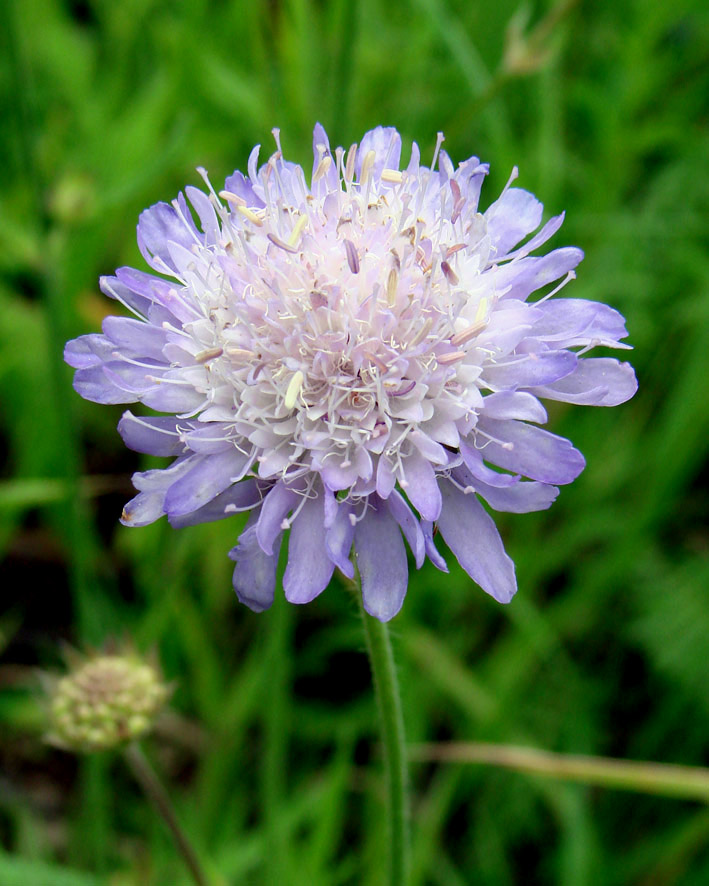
460, 338
208, 354
422, 333
392, 285
378, 362
250, 214
440, 138
281, 245
352, 257
367, 164
453, 357
297, 230
232, 198
350, 163
322, 167
392, 175
449, 273
294, 386
239, 353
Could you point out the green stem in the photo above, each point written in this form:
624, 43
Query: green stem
662, 779
145, 776
275, 749
381, 661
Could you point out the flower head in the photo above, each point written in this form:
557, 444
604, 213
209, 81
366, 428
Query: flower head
355, 360
105, 701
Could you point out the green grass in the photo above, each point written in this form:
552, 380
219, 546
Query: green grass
272, 758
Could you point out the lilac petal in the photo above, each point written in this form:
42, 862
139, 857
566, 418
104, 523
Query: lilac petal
337, 477
431, 550
386, 479
133, 379
150, 434
597, 381
157, 227
328, 180
522, 498
511, 217
422, 486
145, 508
514, 404
309, 568
531, 273
406, 519
211, 475
541, 237
530, 370
238, 184
88, 351
165, 302
255, 572
93, 384
381, 558
205, 211
571, 322
136, 337
278, 502
152, 485
167, 397
385, 141
472, 536
127, 295
209, 437
531, 451
338, 540
473, 459
242, 496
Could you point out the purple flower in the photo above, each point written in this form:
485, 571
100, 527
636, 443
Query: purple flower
356, 361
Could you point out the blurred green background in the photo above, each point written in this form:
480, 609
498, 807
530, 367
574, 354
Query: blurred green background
270, 750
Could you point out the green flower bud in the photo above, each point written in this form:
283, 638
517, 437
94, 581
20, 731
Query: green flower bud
104, 702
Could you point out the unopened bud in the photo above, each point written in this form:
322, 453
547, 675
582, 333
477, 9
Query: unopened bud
104, 702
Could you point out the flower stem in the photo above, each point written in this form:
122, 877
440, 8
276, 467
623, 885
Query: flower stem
381, 661
145, 776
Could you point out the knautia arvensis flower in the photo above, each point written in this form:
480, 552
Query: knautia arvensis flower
105, 701
356, 361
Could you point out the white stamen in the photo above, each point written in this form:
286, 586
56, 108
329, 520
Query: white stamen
250, 214
208, 354
453, 357
294, 386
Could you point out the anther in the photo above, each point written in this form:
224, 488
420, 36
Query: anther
449, 273
367, 164
281, 245
392, 285
208, 354
452, 357
232, 198
460, 338
250, 214
352, 257
422, 333
294, 386
322, 167
481, 312
297, 230
392, 175
350, 163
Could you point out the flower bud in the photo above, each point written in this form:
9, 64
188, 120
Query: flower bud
105, 701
